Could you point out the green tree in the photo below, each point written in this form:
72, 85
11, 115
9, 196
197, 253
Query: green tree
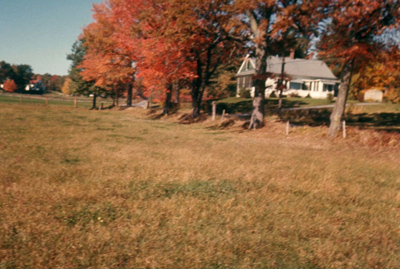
78, 85
22, 74
6, 71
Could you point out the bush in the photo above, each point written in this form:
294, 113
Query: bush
244, 93
294, 95
272, 95
329, 97
10, 86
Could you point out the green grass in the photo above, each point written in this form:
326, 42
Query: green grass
52, 100
83, 188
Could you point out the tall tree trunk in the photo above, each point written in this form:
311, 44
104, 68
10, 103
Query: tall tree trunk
116, 96
177, 91
129, 91
204, 73
340, 106
261, 53
197, 99
257, 117
168, 96
196, 90
94, 101
195, 93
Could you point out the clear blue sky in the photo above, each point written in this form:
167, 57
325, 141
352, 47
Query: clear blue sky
40, 33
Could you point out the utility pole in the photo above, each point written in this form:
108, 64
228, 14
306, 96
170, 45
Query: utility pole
280, 85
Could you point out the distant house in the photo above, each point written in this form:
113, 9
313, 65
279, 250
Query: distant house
373, 95
35, 86
307, 77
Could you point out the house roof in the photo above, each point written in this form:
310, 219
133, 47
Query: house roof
293, 67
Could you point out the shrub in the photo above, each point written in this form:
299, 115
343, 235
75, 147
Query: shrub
294, 95
329, 97
244, 93
10, 86
272, 95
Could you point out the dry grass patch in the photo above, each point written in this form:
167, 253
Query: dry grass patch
114, 189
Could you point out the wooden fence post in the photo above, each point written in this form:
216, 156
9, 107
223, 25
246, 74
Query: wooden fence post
287, 128
214, 110
47, 101
344, 129
75, 103
20, 98
223, 115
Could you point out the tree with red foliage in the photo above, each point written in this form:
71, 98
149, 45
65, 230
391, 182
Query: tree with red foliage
352, 35
10, 86
211, 29
147, 29
106, 62
175, 40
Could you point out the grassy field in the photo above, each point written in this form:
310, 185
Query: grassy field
112, 188
52, 100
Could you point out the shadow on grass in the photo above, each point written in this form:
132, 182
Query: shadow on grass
241, 108
389, 122
242, 105
384, 121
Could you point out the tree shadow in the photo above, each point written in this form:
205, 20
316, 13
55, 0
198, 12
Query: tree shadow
246, 106
308, 117
385, 121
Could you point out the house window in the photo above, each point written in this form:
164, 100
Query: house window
328, 88
247, 82
240, 82
244, 82
295, 86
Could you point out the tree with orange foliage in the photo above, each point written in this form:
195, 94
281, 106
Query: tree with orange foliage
106, 61
176, 40
10, 86
381, 73
66, 88
351, 37
147, 31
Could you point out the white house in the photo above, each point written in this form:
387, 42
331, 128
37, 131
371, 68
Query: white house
308, 77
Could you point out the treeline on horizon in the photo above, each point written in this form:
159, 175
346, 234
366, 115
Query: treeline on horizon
16, 78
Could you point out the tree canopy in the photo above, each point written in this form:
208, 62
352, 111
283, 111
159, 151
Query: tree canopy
179, 42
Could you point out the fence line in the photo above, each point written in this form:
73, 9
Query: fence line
48, 100
44, 98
